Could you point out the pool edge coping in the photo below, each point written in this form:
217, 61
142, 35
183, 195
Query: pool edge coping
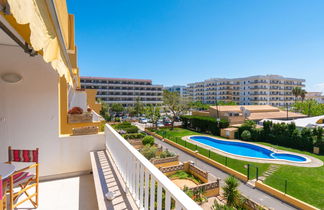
312, 161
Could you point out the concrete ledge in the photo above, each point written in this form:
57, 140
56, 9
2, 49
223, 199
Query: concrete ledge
284, 197
107, 178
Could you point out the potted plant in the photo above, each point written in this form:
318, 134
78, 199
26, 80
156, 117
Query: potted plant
76, 115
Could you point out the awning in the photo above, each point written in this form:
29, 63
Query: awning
43, 34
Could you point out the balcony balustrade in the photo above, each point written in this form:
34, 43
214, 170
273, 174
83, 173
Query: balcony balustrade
142, 178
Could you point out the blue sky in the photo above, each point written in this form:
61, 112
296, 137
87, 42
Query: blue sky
182, 41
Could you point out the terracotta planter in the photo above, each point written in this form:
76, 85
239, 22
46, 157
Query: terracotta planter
80, 118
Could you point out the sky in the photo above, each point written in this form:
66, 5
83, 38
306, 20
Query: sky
175, 42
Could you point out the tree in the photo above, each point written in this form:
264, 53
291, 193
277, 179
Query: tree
153, 113
303, 94
231, 192
309, 107
198, 105
117, 108
104, 112
175, 104
138, 107
296, 91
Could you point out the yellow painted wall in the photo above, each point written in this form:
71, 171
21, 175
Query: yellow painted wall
212, 193
231, 134
91, 100
203, 179
64, 126
173, 163
287, 198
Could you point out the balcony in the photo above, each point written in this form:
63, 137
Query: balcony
142, 178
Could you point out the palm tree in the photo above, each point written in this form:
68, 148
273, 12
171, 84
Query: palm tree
296, 91
231, 192
303, 94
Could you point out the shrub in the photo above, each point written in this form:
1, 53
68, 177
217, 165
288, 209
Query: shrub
166, 153
204, 124
283, 134
148, 140
123, 125
247, 125
231, 192
246, 135
131, 129
148, 151
134, 136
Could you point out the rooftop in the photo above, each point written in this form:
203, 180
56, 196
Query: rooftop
251, 108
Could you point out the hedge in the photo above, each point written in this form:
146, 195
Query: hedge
286, 135
134, 136
204, 124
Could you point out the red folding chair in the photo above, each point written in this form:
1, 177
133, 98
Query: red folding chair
3, 197
23, 178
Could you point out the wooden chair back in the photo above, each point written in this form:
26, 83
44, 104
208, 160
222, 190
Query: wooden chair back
16, 155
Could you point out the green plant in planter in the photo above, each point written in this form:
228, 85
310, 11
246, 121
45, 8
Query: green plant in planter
166, 153
188, 191
149, 151
231, 192
199, 196
148, 140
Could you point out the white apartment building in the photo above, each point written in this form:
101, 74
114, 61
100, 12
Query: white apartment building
181, 89
124, 91
317, 96
272, 90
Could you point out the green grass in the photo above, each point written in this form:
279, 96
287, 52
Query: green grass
306, 184
237, 165
185, 175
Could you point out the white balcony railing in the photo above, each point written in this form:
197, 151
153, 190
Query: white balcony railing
142, 178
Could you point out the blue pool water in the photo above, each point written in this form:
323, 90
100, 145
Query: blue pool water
245, 149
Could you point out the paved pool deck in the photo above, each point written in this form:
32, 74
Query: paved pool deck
313, 162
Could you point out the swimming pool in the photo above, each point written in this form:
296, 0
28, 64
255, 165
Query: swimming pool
246, 149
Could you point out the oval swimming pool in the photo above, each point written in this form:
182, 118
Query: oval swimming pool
246, 149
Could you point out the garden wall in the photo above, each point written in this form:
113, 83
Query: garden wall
165, 162
222, 167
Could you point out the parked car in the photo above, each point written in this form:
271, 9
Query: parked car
143, 120
167, 123
160, 124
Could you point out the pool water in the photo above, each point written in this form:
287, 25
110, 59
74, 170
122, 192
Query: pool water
245, 149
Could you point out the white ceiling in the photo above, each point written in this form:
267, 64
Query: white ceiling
5, 39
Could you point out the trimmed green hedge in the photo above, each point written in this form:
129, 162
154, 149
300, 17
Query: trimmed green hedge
204, 124
285, 135
134, 136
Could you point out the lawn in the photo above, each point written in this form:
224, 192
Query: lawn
237, 165
306, 184
185, 175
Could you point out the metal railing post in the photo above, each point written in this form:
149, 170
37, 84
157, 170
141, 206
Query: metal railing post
248, 171
286, 183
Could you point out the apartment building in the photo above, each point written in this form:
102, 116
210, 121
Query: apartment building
124, 91
181, 89
272, 90
317, 96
